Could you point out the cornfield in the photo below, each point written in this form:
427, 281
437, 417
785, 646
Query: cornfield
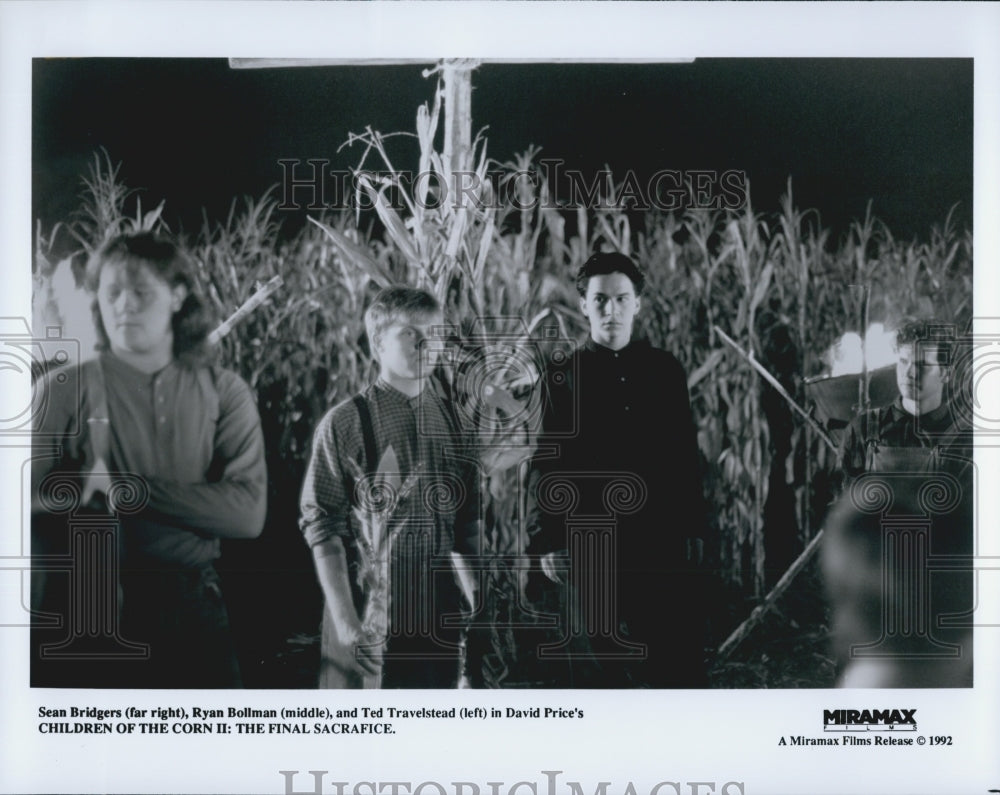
776, 284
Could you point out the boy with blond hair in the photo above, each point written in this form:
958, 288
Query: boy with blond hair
401, 419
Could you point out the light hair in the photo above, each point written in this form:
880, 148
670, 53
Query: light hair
393, 303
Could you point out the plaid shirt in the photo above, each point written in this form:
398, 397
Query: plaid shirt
426, 441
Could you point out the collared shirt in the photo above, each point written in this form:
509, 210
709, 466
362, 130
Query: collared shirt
427, 443
192, 433
892, 427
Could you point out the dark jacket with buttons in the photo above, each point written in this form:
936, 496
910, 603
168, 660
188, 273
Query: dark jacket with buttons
618, 444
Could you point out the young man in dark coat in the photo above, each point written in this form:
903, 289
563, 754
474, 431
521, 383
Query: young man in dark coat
616, 512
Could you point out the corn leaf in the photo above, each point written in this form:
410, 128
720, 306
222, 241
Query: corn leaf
705, 368
763, 283
356, 254
485, 241
393, 223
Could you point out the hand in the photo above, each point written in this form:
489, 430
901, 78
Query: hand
345, 642
554, 564
353, 649
97, 481
696, 551
467, 582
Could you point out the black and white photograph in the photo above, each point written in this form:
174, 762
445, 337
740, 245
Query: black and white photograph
572, 395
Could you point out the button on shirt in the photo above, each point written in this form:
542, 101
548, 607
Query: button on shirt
423, 436
439, 514
625, 417
622, 411
192, 432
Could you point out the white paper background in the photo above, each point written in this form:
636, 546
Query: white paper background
639, 737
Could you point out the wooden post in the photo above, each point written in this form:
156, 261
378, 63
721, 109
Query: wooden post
457, 77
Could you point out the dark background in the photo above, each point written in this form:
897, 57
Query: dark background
199, 134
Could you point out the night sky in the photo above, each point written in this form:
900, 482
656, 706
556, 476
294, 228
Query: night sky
198, 133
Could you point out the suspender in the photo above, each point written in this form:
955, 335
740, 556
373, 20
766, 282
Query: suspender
368, 430
367, 433
875, 449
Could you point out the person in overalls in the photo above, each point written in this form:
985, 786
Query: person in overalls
896, 540
920, 431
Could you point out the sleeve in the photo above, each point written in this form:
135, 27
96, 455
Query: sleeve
852, 449
544, 532
687, 452
324, 511
325, 504
56, 446
232, 503
468, 527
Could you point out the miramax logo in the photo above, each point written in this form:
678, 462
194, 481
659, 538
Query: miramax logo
847, 720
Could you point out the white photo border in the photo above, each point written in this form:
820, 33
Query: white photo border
641, 737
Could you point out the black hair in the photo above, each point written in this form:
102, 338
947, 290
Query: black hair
605, 263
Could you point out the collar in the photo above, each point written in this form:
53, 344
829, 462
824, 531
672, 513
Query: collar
633, 345
124, 370
940, 416
383, 388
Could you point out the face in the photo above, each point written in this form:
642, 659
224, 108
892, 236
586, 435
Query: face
920, 378
610, 306
137, 308
408, 348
